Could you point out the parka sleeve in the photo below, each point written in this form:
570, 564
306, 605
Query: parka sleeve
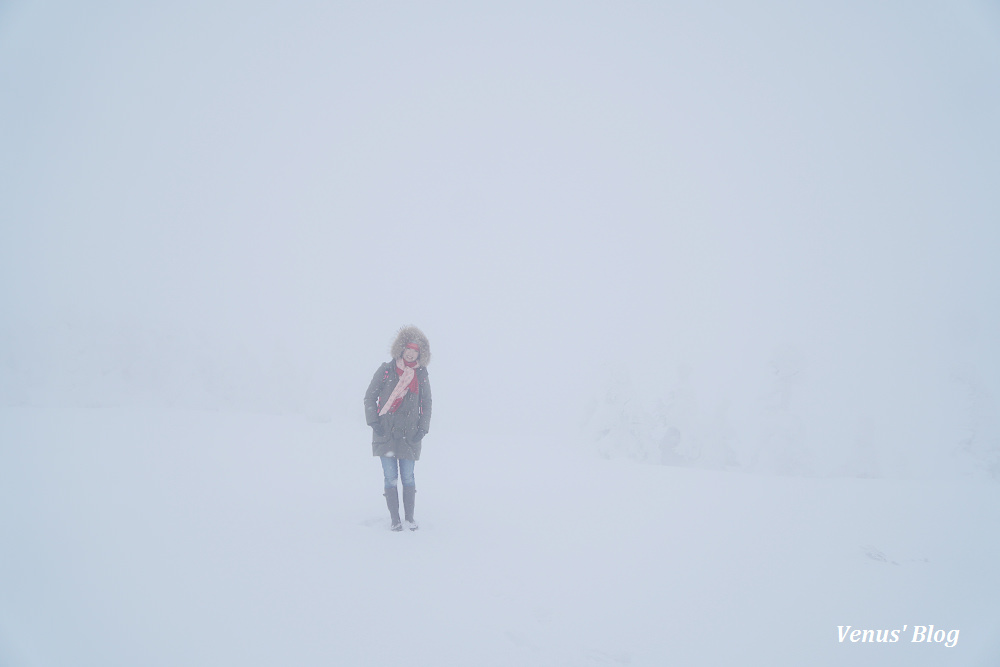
425, 404
371, 396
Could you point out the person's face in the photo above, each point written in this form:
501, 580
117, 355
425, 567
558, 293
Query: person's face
410, 355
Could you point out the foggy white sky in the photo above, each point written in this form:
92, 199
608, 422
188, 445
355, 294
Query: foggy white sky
546, 190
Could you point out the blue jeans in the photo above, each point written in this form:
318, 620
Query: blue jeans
389, 471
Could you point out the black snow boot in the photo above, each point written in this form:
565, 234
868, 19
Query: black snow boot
392, 500
409, 494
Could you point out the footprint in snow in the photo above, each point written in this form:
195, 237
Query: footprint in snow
880, 557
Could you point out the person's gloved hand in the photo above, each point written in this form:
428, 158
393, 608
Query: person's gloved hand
419, 435
377, 429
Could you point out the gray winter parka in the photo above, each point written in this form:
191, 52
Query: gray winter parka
402, 430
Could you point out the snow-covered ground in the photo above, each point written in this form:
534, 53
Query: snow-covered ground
145, 537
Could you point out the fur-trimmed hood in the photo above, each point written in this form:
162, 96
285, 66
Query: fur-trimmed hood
411, 334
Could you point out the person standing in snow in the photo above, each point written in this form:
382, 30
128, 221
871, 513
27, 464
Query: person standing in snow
398, 408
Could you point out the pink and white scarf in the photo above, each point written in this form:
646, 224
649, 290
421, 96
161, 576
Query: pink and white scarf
406, 378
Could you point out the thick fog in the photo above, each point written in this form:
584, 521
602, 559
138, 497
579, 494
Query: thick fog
778, 222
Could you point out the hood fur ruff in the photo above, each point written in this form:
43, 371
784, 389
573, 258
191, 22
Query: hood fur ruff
411, 334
